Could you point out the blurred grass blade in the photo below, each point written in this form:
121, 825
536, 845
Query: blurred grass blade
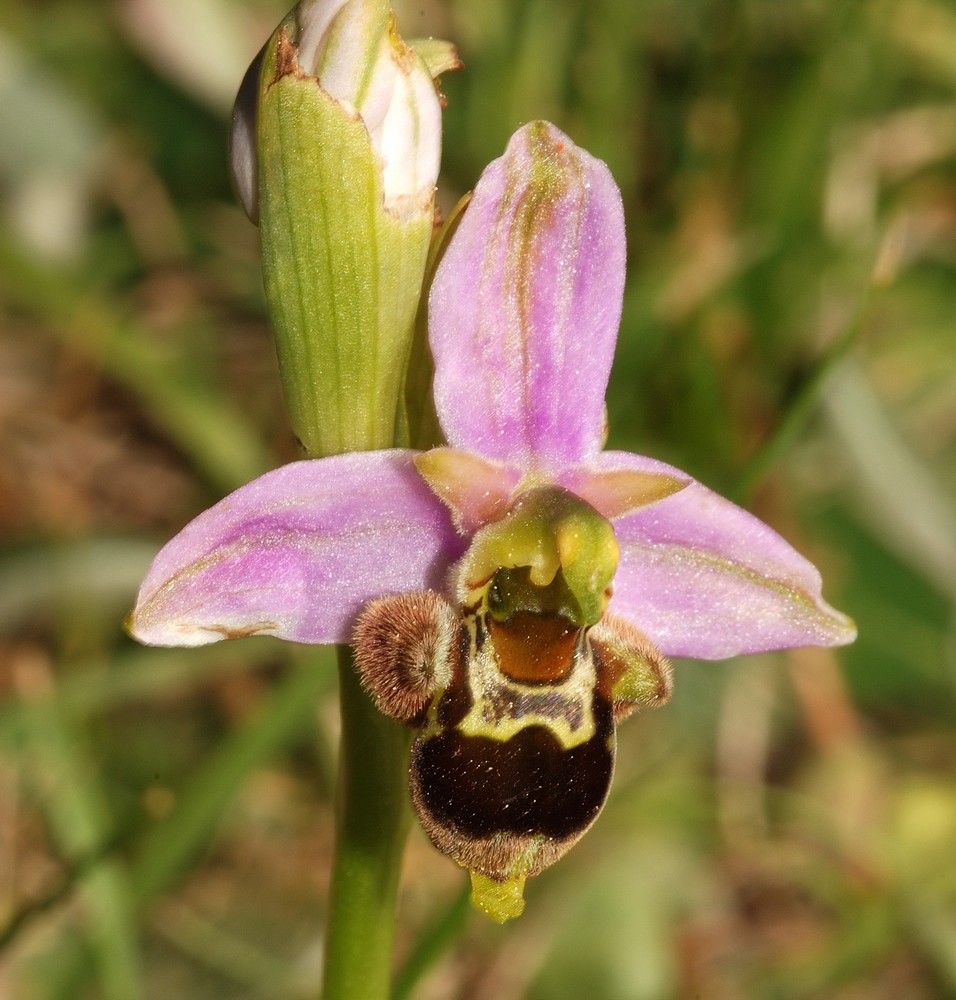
804, 403
96, 686
434, 941
903, 501
76, 810
50, 154
198, 416
169, 847
38, 580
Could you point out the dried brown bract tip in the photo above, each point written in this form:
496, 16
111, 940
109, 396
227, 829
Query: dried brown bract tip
405, 650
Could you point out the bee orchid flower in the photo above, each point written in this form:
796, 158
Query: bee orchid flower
513, 594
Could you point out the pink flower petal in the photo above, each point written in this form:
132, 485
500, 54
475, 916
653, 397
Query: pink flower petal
298, 553
703, 578
525, 306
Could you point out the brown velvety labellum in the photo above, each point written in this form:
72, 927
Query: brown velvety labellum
515, 747
490, 803
518, 759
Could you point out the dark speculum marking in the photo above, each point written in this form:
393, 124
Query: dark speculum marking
504, 703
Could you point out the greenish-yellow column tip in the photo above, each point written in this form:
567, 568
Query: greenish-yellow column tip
548, 530
502, 901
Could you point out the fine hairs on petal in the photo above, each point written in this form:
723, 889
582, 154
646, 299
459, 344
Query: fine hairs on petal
303, 548
640, 674
405, 649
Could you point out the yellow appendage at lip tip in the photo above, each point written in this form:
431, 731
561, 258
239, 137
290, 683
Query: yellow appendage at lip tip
501, 901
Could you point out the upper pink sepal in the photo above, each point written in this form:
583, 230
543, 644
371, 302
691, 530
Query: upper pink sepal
525, 306
298, 552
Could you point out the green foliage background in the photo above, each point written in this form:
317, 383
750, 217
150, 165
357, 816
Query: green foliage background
786, 828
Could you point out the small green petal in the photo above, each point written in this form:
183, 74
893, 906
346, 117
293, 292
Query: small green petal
475, 490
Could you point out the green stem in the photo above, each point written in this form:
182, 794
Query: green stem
371, 824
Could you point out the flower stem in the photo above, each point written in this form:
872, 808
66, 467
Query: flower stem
371, 824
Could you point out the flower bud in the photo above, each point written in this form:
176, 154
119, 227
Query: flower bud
335, 151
